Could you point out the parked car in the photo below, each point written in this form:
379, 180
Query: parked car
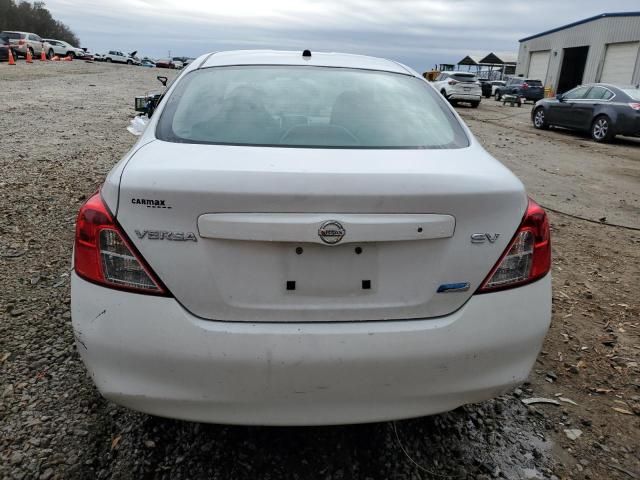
117, 56
602, 109
23, 41
147, 63
526, 88
5, 46
98, 57
63, 49
267, 256
165, 63
459, 86
495, 84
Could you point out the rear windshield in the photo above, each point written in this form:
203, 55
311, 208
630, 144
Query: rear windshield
534, 83
632, 92
461, 77
293, 106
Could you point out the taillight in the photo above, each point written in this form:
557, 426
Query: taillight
104, 254
528, 256
635, 106
453, 82
22, 41
525, 86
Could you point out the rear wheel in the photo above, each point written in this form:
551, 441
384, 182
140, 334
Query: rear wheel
475, 104
109, 60
602, 130
129, 62
50, 54
498, 96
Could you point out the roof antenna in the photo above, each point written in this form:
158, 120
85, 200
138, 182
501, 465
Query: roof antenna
306, 54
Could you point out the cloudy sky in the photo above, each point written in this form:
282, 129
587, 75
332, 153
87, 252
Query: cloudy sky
419, 33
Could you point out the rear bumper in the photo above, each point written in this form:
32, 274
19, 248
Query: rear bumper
466, 96
150, 354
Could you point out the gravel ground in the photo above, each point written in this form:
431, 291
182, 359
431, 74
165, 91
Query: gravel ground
64, 128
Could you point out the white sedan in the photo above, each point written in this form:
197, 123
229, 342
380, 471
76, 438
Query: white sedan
301, 239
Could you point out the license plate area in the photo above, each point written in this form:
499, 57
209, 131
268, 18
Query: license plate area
320, 271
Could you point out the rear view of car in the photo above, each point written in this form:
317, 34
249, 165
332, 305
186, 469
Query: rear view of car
300, 240
459, 87
526, 88
26, 41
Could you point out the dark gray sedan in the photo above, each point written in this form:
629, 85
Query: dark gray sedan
602, 109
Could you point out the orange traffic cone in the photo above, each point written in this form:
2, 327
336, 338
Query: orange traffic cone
29, 57
43, 56
11, 59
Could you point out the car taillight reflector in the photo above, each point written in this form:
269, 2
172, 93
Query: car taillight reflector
635, 106
103, 254
528, 256
453, 82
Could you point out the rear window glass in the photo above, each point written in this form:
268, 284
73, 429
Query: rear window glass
534, 83
313, 107
632, 92
464, 78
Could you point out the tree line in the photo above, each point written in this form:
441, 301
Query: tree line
35, 18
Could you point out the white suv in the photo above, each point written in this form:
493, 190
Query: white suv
459, 86
302, 239
63, 49
23, 41
116, 56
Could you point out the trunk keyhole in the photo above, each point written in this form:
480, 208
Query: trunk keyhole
358, 250
291, 285
299, 250
366, 284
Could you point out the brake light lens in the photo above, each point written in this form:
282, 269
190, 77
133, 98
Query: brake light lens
525, 85
635, 106
453, 82
104, 255
528, 256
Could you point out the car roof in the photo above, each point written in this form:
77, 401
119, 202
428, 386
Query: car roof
318, 59
459, 72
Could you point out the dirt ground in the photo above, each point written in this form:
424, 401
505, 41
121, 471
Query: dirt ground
63, 128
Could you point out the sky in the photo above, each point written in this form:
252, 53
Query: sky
419, 33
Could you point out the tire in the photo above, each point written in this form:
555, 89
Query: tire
109, 60
475, 104
498, 96
71, 54
129, 62
602, 129
50, 54
540, 119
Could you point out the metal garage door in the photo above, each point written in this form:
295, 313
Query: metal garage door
538, 66
619, 62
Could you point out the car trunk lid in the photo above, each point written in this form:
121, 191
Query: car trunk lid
311, 235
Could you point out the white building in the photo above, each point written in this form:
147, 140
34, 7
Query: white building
604, 48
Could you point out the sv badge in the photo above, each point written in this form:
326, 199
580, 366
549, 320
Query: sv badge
484, 237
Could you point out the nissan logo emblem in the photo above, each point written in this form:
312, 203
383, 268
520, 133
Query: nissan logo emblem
331, 232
